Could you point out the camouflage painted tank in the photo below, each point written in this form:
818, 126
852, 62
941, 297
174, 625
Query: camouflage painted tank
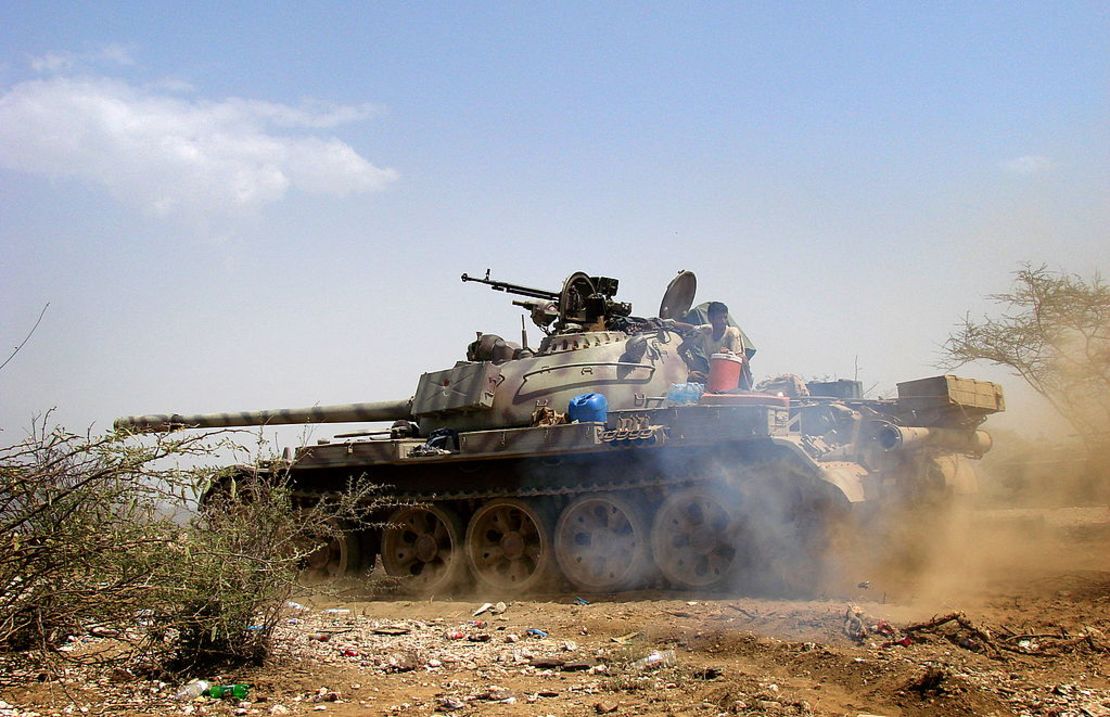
737, 488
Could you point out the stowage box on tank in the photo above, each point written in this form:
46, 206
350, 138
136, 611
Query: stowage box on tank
675, 486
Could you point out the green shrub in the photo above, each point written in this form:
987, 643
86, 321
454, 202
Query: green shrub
101, 535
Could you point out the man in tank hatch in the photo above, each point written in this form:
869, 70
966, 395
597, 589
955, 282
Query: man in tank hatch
712, 338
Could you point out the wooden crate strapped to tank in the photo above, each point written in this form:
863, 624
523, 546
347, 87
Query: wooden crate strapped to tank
950, 390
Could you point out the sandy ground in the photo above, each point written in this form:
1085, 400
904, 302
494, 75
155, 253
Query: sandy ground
1033, 587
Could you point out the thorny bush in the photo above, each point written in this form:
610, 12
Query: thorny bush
99, 535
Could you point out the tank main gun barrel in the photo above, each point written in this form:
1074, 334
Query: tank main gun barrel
335, 413
513, 288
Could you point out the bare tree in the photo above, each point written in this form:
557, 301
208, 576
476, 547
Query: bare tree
1054, 332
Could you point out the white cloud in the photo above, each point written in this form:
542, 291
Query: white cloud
173, 155
1028, 164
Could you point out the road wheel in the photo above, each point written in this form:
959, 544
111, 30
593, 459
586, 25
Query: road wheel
601, 543
508, 545
336, 556
423, 544
692, 538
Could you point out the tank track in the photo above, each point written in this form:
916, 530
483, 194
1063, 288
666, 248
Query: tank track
652, 508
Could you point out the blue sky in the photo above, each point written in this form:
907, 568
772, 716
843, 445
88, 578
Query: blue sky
245, 205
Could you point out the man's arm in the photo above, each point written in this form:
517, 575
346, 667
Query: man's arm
735, 341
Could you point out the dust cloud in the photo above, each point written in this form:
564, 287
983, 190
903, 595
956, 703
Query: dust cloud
1034, 522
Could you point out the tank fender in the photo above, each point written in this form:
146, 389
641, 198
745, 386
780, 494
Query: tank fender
849, 481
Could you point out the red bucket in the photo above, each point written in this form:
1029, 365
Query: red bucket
724, 373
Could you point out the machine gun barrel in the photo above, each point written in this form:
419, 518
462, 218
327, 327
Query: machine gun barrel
513, 288
338, 413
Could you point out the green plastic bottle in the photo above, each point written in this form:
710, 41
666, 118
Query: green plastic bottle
238, 691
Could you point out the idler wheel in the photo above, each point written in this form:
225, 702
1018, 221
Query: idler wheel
601, 543
508, 545
693, 538
423, 544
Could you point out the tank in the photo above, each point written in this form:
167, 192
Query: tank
669, 486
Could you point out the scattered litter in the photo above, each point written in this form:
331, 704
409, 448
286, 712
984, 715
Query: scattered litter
882, 627
451, 704
237, 691
581, 601
625, 639
101, 631
497, 694
484, 607
864, 585
536, 632
655, 660
192, 690
337, 611
391, 630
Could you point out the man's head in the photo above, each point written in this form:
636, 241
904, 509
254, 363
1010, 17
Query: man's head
718, 315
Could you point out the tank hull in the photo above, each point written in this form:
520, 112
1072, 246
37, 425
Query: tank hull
724, 494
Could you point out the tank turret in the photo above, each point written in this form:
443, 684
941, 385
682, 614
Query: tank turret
592, 343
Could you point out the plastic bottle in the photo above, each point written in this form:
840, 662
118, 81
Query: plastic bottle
192, 690
681, 394
656, 659
236, 691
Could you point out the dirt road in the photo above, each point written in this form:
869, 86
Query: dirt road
1028, 594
